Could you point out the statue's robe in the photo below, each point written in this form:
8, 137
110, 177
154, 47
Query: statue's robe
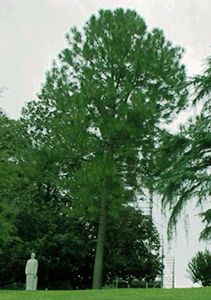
31, 274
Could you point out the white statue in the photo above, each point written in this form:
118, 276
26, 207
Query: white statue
31, 273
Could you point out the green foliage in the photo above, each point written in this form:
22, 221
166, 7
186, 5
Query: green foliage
65, 245
41, 227
104, 94
199, 268
202, 84
11, 175
206, 232
132, 247
101, 101
184, 159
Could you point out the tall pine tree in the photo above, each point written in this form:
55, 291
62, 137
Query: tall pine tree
99, 112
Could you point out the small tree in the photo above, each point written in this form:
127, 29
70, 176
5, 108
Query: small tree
199, 268
132, 247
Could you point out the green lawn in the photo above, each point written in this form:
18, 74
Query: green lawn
111, 294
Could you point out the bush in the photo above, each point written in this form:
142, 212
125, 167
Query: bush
199, 268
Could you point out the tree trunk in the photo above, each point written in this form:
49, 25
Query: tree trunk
98, 264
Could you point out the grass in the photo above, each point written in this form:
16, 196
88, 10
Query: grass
111, 294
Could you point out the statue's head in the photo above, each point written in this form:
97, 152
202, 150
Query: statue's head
33, 255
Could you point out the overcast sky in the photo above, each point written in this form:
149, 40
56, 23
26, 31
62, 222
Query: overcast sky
32, 33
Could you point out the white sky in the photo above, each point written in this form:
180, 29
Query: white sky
31, 33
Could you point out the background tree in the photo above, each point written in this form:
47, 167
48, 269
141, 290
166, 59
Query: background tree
100, 108
199, 268
185, 159
11, 143
62, 244
132, 247
65, 247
